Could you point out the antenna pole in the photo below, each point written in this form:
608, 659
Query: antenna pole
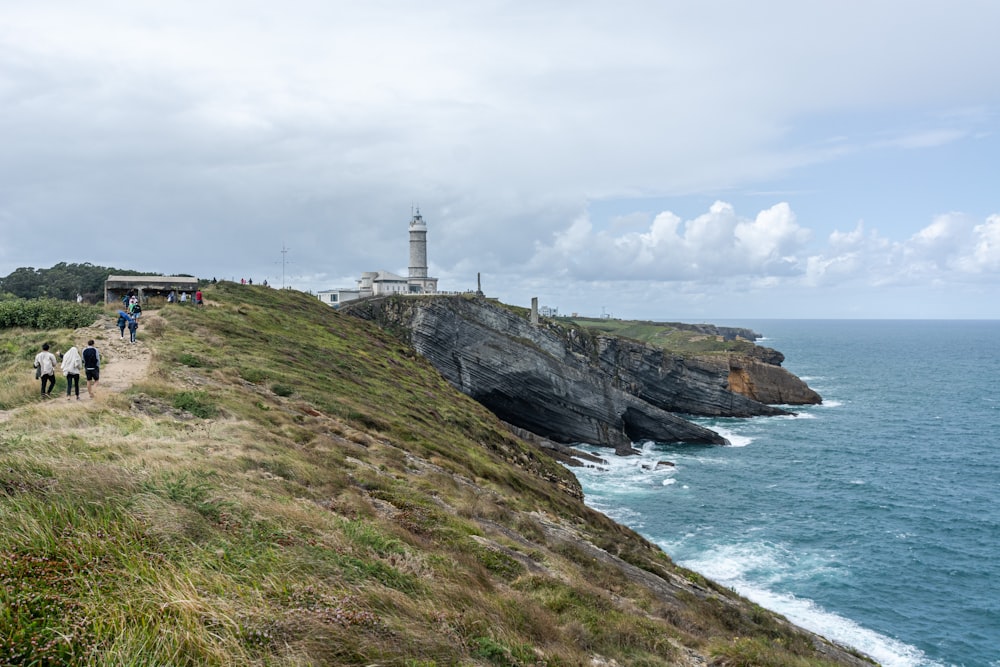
284, 252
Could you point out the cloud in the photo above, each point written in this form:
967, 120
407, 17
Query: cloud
214, 134
985, 255
716, 245
952, 249
929, 138
772, 250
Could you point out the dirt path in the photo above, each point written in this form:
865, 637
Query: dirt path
122, 365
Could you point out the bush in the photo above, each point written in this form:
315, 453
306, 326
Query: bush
197, 403
190, 360
46, 314
253, 375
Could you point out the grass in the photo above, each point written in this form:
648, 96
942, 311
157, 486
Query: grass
292, 486
674, 338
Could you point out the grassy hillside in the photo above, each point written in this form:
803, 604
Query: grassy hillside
676, 339
290, 486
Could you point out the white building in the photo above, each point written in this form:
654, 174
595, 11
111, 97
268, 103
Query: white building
335, 297
379, 283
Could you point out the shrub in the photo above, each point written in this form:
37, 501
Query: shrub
190, 360
254, 375
46, 314
197, 403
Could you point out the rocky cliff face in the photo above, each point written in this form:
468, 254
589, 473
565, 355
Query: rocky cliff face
720, 385
569, 386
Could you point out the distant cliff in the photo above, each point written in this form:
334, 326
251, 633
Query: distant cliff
570, 385
744, 383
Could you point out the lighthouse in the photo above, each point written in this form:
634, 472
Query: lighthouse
418, 281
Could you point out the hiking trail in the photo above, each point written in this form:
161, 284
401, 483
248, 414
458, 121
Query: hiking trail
122, 365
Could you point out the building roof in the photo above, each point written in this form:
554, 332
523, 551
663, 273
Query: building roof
151, 281
388, 277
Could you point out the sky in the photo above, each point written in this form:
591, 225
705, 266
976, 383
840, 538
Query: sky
657, 159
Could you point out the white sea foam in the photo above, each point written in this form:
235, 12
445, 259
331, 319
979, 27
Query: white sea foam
756, 572
735, 439
629, 475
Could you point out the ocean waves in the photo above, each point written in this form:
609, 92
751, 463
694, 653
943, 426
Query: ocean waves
872, 519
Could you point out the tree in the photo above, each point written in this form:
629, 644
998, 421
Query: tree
63, 281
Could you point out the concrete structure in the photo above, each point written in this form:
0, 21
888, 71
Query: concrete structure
376, 283
335, 297
380, 283
115, 287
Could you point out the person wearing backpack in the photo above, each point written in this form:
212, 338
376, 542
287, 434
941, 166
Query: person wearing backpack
91, 366
133, 326
122, 322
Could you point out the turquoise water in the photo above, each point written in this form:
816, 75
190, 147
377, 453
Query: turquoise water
873, 519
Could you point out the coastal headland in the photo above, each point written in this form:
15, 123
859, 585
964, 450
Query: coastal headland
289, 485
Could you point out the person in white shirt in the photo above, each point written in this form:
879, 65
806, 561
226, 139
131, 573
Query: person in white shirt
45, 362
71, 367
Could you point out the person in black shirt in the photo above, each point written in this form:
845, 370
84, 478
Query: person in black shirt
91, 366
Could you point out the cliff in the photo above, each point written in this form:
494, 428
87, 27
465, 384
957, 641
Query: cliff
738, 384
568, 384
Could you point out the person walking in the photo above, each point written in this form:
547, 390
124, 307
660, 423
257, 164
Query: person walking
45, 362
122, 322
71, 366
92, 366
197, 298
133, 326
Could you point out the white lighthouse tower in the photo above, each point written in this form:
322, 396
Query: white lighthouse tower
418, 281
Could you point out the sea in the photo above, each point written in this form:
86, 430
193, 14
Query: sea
872, 519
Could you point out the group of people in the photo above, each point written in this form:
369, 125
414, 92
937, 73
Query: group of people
73, 362
130, 316
128, 320
131, 304
172, 297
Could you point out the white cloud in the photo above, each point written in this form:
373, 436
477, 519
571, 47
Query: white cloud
985, 256
772, 250
715, 245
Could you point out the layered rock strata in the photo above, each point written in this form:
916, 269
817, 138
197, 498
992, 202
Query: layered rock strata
568, 386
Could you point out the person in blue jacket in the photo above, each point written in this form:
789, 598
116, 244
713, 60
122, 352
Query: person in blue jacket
122, 322
133, 326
